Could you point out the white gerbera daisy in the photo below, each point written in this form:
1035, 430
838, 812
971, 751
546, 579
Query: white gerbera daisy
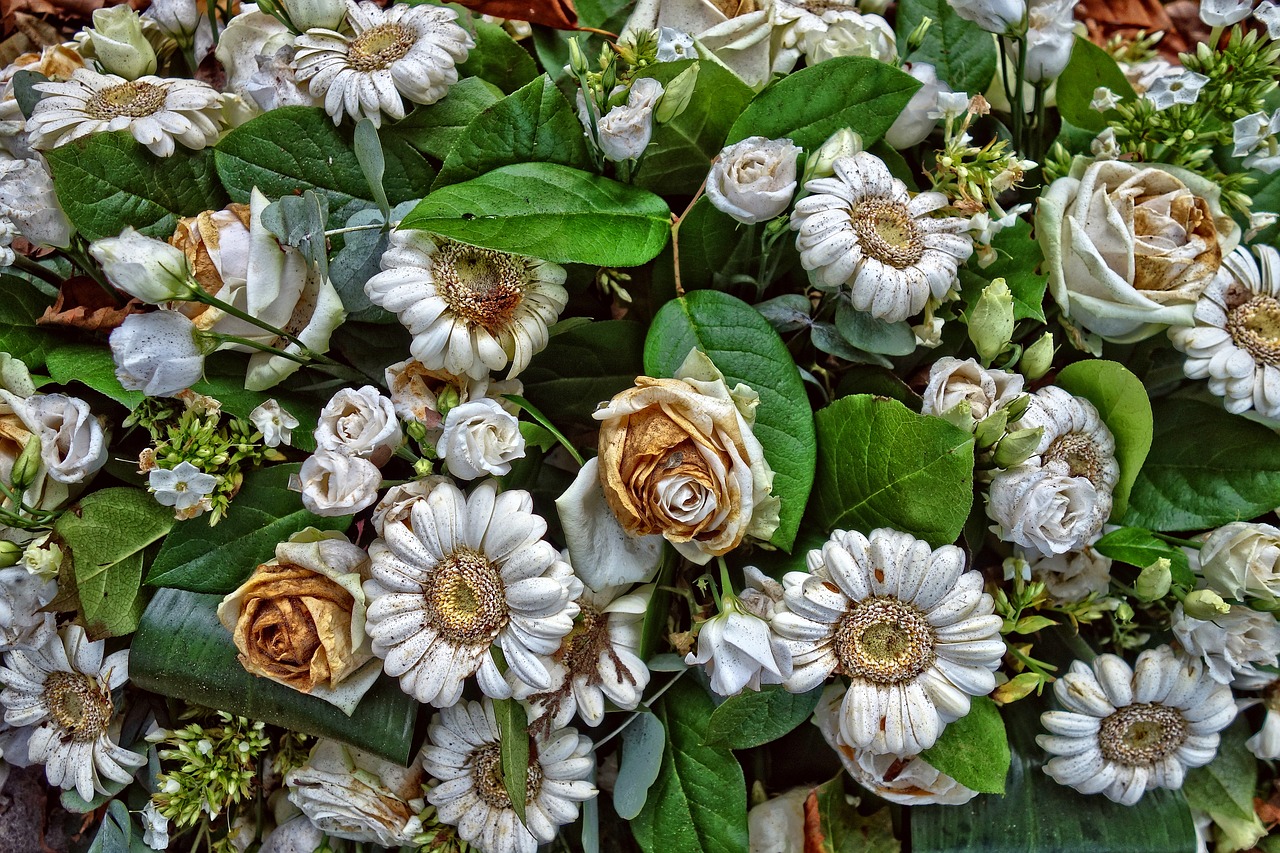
1126, 731
459, 575
63, 689
470, 310
1235, 342
465, 755
157, 112
863, 229
912, 630
409, 51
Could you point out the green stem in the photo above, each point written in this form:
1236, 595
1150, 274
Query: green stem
236, 339
198, 294
78, 256
40, 271
1020, 115
1174, 540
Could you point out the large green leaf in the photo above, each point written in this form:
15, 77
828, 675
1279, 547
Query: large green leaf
93, 367
756, 717
584, 367
699, 802
882, 465
813, 103
109, 180
963, 53
974, 750
1206, 468
497, 58
1121, 400
435, 129
182, 650
1225, 788
1017, 257
1089, 68
218, 559
20, 306
551, 212
746, 349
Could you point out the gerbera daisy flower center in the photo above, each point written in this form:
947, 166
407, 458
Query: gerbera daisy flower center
581, 647
380, 46
887, 232
1079, 453
486, 772
1254, 326
77, 704
134, 100
885, 640
465, 599
1141, 735
481, 286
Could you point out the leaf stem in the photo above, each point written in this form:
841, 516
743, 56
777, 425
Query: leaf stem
647, 704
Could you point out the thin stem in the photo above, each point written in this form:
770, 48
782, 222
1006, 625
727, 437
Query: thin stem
675, 233
198, 294
648, 704
261, 347
40, 271
1020, 114
351, 228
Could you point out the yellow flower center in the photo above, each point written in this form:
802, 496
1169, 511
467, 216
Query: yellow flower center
885, 640
486, 775
379, 47
1141, 735
1080, 454
483, 287
1254, 326
134, 100
465, 599
78, 704
887, 232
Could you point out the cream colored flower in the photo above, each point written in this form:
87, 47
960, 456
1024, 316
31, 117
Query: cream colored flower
736, 647
1242, 559
754, 180
357, 796
28, 200
397, 503
625, 130
1073, 575
157, 353
73, 441
257, 51
953, 382
862, 229
58, 63
914, 124
1232, 644
470, 310
360, 422
825, 29
336, 483
480, 438
738, 33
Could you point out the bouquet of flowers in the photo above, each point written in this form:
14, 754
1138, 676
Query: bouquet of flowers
641, 425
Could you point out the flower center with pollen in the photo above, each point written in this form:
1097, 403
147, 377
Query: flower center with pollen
76, 702
481, 286
1079, 453
887, 232
1141, 735
486, 775
376, 48
465, 599
885, 640
134, 100
1255, 327
581, 648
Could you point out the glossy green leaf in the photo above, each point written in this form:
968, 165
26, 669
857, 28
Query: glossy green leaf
583, 367
1017, 257
756, 717
746, 349
974, 750
643, 742
871, 334
549, 211
963, 53
497, 58
93, 367
1089, 68
1138, 547
882, 465
513, 730
435, 129
20, 306
182, 650
712, 246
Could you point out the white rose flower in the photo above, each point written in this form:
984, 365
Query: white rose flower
480, 438
994, 16
954, 382
360, 422
914, 124
28, 200
419, 393
1231, 644
118, 43
357, 796
739, 650
275, 422
73, 442
1042, 510
1073, 575
739, 33
143, 267
1243, 559
157, 353
754, 180
178, 19
335, 483
1224, 13
777, 824
847, 33
626, 129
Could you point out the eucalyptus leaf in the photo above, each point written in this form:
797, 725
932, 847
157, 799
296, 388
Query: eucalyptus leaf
373, 163
24, 91
963, 54
786, 313
974, 750
299, 221
643, 742
871, 334
756, 717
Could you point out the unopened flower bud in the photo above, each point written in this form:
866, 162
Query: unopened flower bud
916, 37
10, 553
991, 428
144, 267
1018, 407
821, 164
577, 62
1204, 604
322, 14
678, 94
1153, 583
960, 415
446, 399
415, 430
1038, 358
1018, 446
423, 468
991, 325
1124, 612
119, 45
27, 466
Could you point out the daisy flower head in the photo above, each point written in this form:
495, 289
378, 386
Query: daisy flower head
470, 310
912, 630
62, 690
1125, 731
156, 112
459, 575
862, 229
392, 55
464, 753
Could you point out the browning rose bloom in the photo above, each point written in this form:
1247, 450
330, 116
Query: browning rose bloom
678, 457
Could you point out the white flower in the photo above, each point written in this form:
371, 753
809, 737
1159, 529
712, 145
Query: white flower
73, 442
357, 796
157, 353
1268, 13
909, 781
1050, 38
419, 394
1235, 342
275, 422
624, 132
409, 52
398, 502
674, 45
754, 180
1104, 99
359, 422
1255, 140
179, 20
1072, 575
1224, 13
143, 267
155, 826
740, 34
863, 229
28, 200
736, 646
847, 33
953, 382
249, 49
118, 44
994, 16
1173, 89
63, 689
22, 596
1265, 743
156, 112
318, 14
777, 824
1126, 731
182, 487
336, 483
1105, 146
910, 627
950, 105
916, 121
479, 438
1242, 559
468, 574
465, 755
296, 835
1259, 221
1233, 643
470, 310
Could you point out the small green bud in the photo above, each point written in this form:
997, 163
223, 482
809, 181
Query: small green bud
960, 415
1153, 583
1124, 612
1038, 358
416, 430
991, 324
1204, 604
821, 164
423, 468
1018, 407
677, 95
577, 62
1017, 446
119, 45
27, 466
10, 553
991, 428
446, 400
916, 37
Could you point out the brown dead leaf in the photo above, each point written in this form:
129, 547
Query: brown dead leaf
83, 304
560, 14
1106, 18
814, 839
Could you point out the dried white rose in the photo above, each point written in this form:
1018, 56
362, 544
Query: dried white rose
360, 422
357, 796
954, 382
754, 180
1243, 559
157, 353
335, 483
848, 33
248, 49
739, 33
480, 438
73, 442
1072, 576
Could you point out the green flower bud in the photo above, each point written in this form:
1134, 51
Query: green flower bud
1038, 358
821, 164
446, 400
423, 468
10, 553
1153, 583
960, 415
1018, 407
1124, 612
119, 45
416, 431
991, 428
1017, 446
991, 323
916, 37
27, 466
678, 93
324, 14
577, 62
1204, 604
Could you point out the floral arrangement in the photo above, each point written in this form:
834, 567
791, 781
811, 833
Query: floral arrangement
669, 425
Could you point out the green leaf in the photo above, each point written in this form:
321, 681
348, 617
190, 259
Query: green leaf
699, 802
513, 729
1089, 68
963, 53
841, 829
1138, 547
534, 125
109, 180
1225, 789
498, 59
551, 212
182, 650
712, 246
93, 367
20, 306
116, 833
1017, 257
871, 334
103, 535
435, 129
584, 367
746, 349
201, 558
643, 742
809, 105
1121, 400
753, 718
1206, 468
882, 465
974, 750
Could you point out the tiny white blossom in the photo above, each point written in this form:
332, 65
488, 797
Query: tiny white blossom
1105, 146
674, 45
1268, 13
1224, 13
275, 423
1104, 99
1259, 221
155, 827
1181, 88
182, 486
950, 105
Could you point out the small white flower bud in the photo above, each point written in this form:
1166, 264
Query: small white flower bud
480, 438
119, 44
143, 267
157, 353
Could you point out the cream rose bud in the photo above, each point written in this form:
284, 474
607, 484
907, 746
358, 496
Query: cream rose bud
1242, 560
143, 267
625, 130
953, 381
178, 19
360, 422
1129, 248
357, 796
73, 442
480, 438
1050, 38
157, 353
736, 646
755, 179
28, 199
335, 483
119, 45
914, 124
